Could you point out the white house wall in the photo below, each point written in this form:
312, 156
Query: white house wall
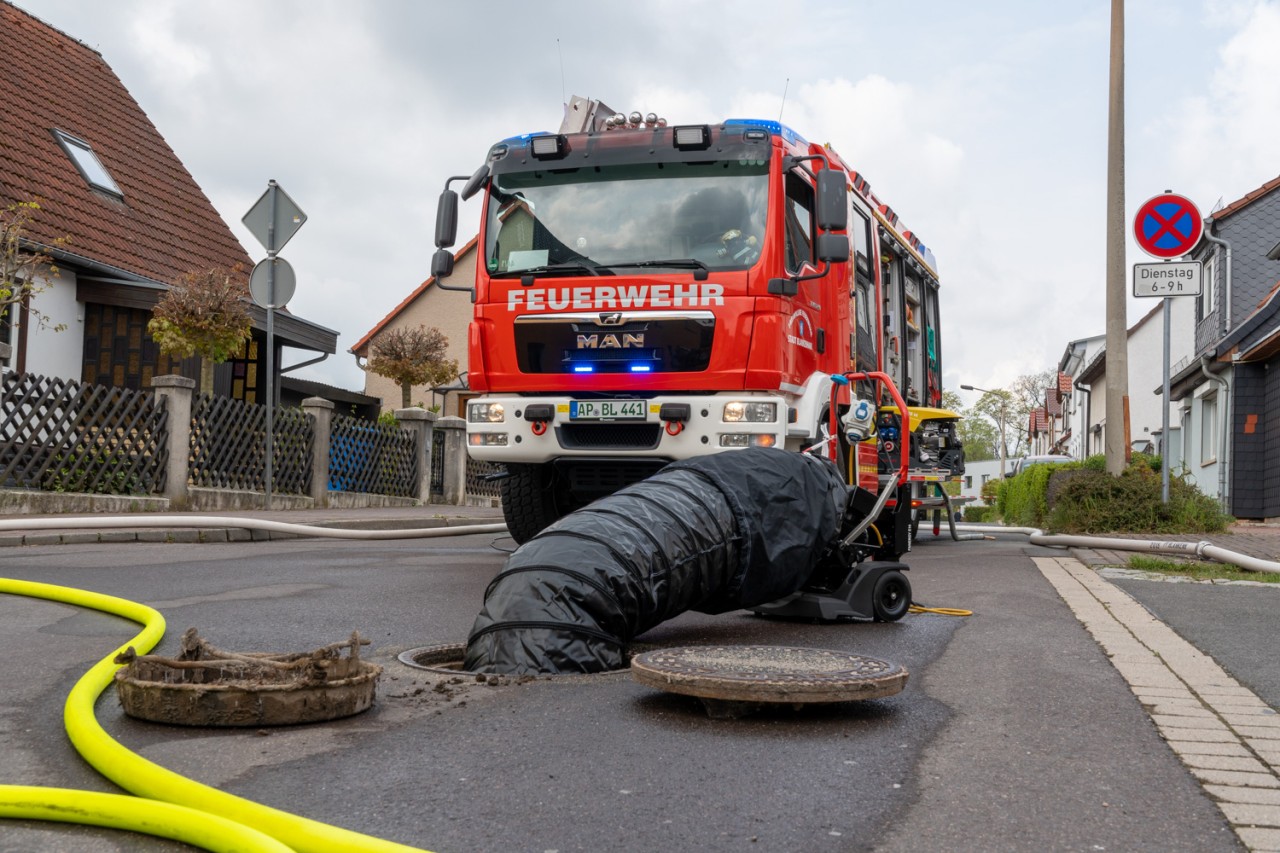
978, 473
1201, 466
1146, 366
49, 352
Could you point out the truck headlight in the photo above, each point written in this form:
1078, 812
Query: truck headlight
487, 439
486, 413
745, 411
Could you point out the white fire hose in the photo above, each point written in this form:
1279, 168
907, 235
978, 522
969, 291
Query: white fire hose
1201, 550
226, 521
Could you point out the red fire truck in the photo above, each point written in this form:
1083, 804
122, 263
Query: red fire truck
646, 293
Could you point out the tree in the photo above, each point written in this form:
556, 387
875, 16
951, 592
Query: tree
203, 313
1029, 394
412, 356
999, 407
20, 265
978, 435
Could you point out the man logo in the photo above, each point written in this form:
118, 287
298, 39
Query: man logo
626, 340
613, 318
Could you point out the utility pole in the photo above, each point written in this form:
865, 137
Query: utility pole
1117, 324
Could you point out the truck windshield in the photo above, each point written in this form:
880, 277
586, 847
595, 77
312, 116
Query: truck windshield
603, 220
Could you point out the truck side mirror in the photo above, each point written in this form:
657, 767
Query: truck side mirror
833, 201
832, 248
442, 264
475, 182
446, 220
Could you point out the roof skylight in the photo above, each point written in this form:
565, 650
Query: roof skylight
90, 167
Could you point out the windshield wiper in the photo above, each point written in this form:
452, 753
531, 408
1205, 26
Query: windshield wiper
676, 263
568, 267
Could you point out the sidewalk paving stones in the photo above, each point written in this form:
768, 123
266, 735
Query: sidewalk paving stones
1227, 737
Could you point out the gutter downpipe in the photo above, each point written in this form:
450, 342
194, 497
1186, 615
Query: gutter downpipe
1224, 436
1088, 414
1226, 387
1226, 245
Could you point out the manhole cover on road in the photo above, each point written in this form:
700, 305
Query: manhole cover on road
768, 674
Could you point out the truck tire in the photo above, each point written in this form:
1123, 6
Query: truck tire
532, 498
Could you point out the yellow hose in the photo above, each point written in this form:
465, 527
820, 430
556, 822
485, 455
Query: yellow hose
146, 779
120, 811
939, 611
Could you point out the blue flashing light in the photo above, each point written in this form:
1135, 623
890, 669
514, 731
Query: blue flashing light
584, 368
776, 128
523, 139
641, 368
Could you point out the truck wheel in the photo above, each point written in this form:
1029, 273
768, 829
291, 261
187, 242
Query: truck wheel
532, 498
891, 598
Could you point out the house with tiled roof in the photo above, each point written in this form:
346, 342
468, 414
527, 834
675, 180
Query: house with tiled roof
1083, 372
1228, 391
133, 218
434, 307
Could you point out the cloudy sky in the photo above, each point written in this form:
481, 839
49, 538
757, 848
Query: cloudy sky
982, 123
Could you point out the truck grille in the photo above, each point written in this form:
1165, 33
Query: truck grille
609, 436
590, 479
615, 342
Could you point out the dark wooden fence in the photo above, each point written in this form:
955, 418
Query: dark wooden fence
63, 436
365, 456
228, 446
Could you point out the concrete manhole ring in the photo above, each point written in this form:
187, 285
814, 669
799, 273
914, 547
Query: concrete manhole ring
442, 659
768, 674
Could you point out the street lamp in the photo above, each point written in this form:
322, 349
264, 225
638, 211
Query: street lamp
999, 417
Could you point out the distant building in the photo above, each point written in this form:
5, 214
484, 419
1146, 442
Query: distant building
433, 307
1088, 398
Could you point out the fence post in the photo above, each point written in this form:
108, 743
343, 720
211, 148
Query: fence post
421, 423
176, 392
455, 459
321, 410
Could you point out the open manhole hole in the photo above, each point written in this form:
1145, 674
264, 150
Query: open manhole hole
446, 659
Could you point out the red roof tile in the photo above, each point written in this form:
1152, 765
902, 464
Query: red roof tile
1241, 203
164, 226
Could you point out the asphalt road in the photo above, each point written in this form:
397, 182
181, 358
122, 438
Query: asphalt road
1014, 732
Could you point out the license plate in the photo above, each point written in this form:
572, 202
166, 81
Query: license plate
607, 410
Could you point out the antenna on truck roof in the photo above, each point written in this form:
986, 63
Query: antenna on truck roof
561, 53
785, 87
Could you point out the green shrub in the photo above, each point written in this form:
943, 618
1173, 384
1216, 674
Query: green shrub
1022, 500
990, 491
979, 514
1093, 501
1097, 462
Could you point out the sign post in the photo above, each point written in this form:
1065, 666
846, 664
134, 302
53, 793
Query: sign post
1167, 226
273, 219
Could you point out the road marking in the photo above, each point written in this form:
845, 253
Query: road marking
1226, 736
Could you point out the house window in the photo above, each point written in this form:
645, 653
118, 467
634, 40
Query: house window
6, 330
88, 164
244, 372
1209, 430
1207, 302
